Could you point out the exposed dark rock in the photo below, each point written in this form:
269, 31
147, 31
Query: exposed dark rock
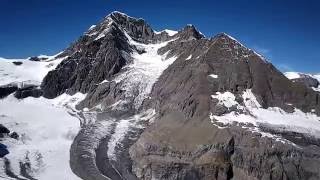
7, 90
36, 58
190, 33
25, 168
90, 61
4, 130
18, 63
20, 90
30, 91
3, 150
14, 135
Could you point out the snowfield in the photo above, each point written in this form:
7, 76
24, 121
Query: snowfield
274, 117
46, 127
46, 133
28, 71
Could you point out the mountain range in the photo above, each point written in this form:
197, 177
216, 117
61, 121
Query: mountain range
127, 102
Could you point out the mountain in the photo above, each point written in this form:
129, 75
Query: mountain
162, 105
310, 80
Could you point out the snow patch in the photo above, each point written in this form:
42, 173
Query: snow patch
104, 81
189, 57
226, 98
292, 75
92, 27
213, 76
103, 33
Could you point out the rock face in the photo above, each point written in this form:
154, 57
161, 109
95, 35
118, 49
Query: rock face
20, 90
127, 69
29, 91
7, 90
3, 150
4, 130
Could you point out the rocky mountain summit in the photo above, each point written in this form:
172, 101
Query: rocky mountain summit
177, 105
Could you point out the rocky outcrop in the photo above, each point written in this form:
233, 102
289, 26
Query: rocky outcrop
21, 90
29, 91
3, 150
36, 58
4, 130
17, 63
83, 70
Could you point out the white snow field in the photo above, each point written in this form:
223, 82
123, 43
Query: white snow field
46, 128
46, 132
254, 114
28, 71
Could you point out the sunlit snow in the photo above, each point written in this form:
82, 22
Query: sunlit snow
46, 133
298, 121
189, 57
27, 71
213, 76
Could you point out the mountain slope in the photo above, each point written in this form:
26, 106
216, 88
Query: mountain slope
228, 114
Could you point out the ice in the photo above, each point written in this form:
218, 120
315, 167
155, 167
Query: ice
122, 128
140, 76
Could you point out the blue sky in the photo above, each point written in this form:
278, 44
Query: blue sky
286, 31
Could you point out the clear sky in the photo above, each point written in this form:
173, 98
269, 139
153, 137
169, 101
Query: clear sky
285, 31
